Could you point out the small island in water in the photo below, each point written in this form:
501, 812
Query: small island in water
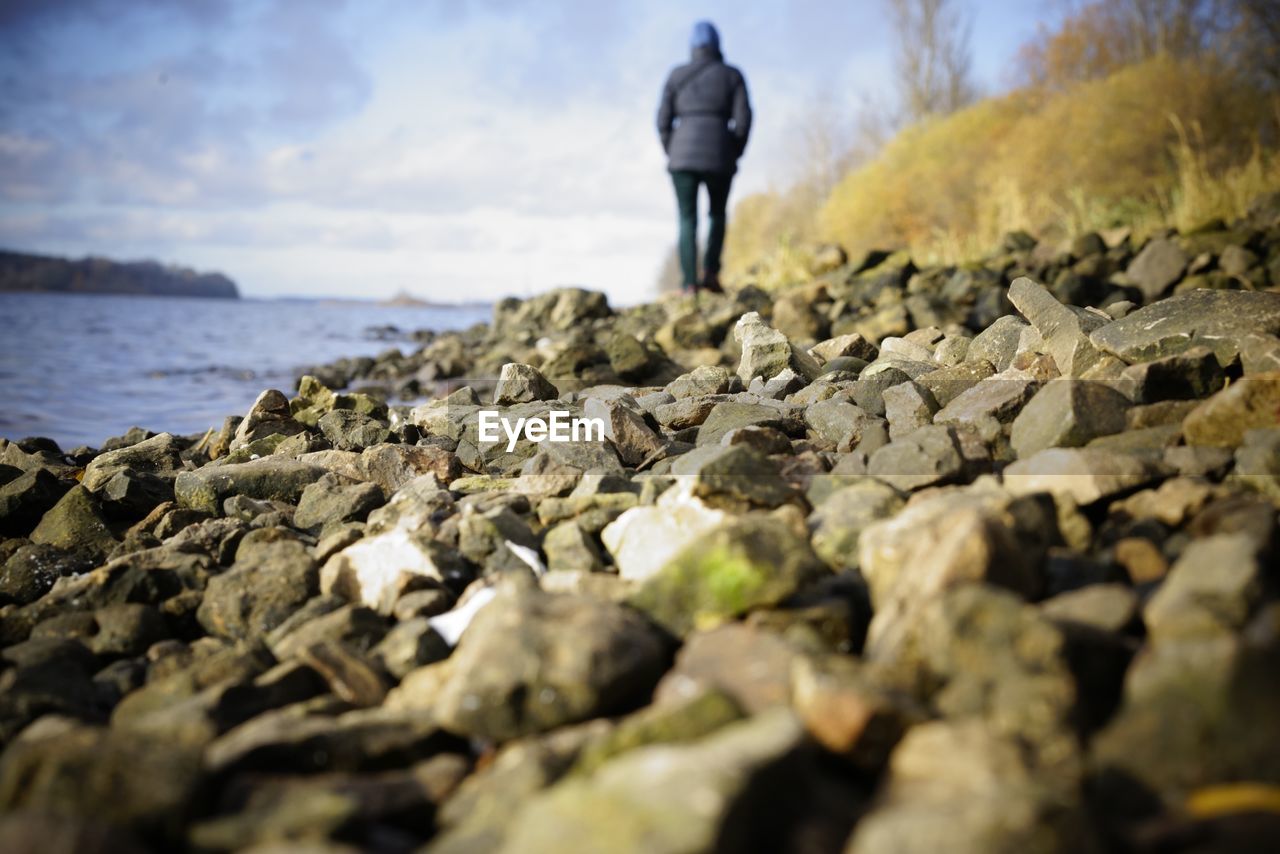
49, 274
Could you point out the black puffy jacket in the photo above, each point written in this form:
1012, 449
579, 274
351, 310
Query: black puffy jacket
705, 116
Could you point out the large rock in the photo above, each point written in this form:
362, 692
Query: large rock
956, 786
129, 780
701, 381
1216, 319
676, 798
632, 438
1067, 413
1195, 712
522, 384
1188, 375
644, 539
767, 352
377, 570
270, 415
1065, 331
155, 458
532, 661
952, 538
1212, 589
76, 524
838, 522
927, 456
1222, 420
1085, 474
263, 588
268, 479
1157, 268
329, 501
730, 570
348, 430
26, 498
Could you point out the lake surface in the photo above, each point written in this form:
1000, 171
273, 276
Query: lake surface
81, 368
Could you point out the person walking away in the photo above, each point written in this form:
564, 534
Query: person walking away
704, 120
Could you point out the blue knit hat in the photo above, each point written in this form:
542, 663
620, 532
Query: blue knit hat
704, 35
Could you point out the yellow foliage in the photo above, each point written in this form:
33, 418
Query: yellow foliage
1162, 142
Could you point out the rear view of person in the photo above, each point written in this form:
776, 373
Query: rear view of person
704, 120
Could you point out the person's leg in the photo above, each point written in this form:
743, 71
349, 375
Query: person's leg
718, 190
686, 184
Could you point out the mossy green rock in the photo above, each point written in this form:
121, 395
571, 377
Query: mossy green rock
75, 523
752, 562
662, 723
270, 478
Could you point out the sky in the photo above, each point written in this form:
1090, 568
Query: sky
453, 149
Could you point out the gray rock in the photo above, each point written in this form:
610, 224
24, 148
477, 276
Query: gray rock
908, 407
532, 661
260, 590
569, 547
632, 438
998, 343
948, 383
1212, 589
842, 346
837, 423
686, 413
731, 415
60, 767
838, 522
670, 798
1157, 268
1195, 713
956, 786
269, 478
409, 645
30, 572
348, 430
270, 415
990, 404
701, 381
354, 626
749, 563
729, 472
1219, 320
766, 351
1065, 331
522, 384
1085, 474
1223, 420
951, 538
158, 455
1191, 374
76, 524
925, 457
27, 497
330, 501
1067, 413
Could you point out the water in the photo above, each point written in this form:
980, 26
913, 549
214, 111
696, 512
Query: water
81, 368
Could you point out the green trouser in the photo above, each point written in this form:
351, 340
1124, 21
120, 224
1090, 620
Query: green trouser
686, 184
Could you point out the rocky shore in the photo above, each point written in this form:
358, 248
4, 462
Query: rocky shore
903, 559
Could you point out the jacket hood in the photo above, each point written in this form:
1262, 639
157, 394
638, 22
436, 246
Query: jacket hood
704, 36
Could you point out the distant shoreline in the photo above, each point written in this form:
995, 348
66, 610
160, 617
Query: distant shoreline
22, 272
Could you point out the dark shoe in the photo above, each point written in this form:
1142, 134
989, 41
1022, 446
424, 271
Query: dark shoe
689, 289
711, 283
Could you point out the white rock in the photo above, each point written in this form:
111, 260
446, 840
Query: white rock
644, 539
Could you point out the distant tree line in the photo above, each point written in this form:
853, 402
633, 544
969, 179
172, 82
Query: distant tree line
23, 272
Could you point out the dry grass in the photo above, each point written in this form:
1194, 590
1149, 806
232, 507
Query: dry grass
1155, 144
